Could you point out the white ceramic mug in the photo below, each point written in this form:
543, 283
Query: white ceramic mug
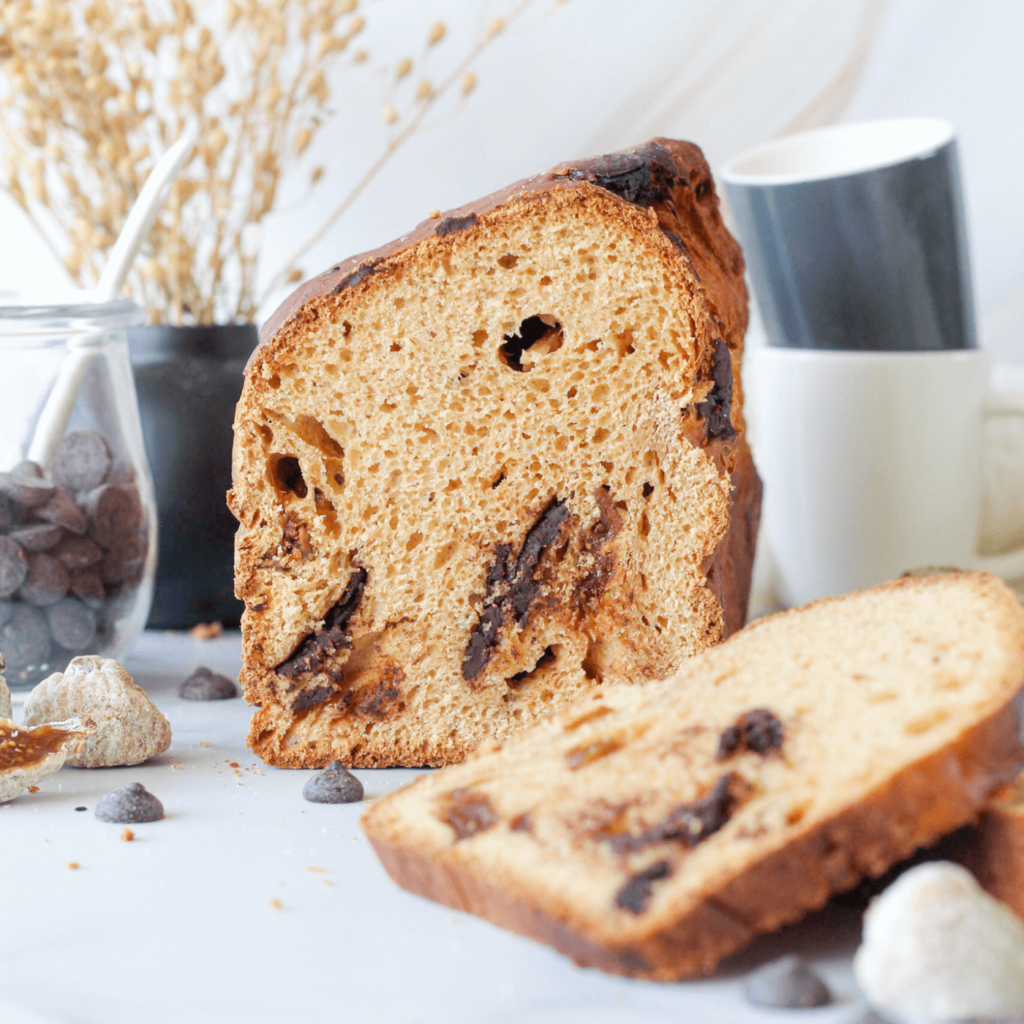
872, 463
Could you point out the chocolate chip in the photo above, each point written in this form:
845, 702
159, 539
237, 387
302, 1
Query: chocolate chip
25, 639
88, 587
357, 275
636, 893
334, 785
452, 224
62, 510
643, 176
714, 409
72, 624
81, 462
317, 649
205, 684
115, 513
758, 730
124, 561
469, 812
27, 491
521, 586
13, 566
129, 805
46, 582
78, 552
689, 823
81, 808
38, 536
788, 983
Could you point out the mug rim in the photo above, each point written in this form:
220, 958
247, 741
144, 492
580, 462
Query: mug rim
866, 355
837, 151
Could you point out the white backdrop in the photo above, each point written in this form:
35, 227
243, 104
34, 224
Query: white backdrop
594, 75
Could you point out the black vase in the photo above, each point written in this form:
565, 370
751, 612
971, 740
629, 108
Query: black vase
188, 381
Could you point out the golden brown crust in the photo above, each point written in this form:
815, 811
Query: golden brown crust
602, 620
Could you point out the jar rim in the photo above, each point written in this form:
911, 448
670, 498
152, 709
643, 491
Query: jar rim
67, 317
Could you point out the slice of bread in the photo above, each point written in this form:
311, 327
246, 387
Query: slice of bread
651, 831
495, 464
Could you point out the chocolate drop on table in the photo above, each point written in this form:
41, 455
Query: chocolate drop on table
205, 684
334, 785
129, 805
788, 983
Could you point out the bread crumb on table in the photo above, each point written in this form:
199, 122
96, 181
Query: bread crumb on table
206, 630
127, 835
74, 865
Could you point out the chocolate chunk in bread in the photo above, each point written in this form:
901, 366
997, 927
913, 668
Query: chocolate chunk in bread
520, 429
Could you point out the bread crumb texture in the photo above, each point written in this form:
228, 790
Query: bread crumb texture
652, 830
491, 470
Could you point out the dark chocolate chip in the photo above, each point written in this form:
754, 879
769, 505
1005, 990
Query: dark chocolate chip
643, 176
72, 624
87, 585
452, 224
788, 983
714, 409
469, 812
758, 730
115, 513
25, 639
78, 552
334, 785
38, 536
129, 805
689, 823
636, 893
27, 491
13, 566
62, 510
124, 561
205, 684
310, 698
81, 808
81, 462
521, 590
316, 649
357, 275
46, 582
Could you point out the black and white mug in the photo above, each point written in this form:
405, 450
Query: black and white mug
869, 401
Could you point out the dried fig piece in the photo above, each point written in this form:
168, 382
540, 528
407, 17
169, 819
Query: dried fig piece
28, 755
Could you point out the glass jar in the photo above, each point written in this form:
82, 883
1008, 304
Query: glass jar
77, 512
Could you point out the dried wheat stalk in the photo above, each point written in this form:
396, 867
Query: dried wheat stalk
93, 91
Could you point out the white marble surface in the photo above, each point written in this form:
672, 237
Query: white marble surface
181, 923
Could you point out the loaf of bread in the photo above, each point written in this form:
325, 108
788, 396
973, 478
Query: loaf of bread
651, 831
495, 464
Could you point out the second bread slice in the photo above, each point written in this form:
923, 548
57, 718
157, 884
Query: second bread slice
650, 831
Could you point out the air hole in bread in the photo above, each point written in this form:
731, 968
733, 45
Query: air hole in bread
286, 474
413, 541
537, 335
648, 489
508, 261
645, 525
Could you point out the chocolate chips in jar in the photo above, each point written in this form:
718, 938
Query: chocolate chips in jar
74, 540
